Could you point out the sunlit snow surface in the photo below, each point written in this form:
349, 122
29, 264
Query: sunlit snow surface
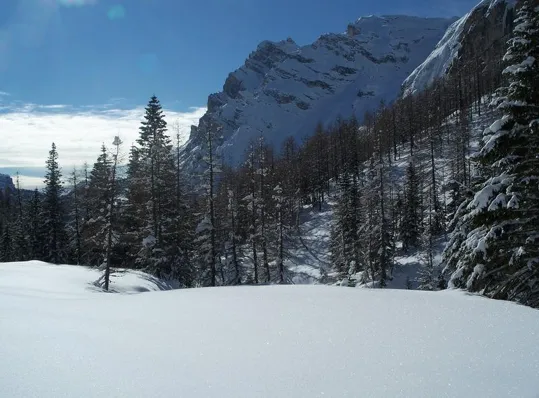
60, 337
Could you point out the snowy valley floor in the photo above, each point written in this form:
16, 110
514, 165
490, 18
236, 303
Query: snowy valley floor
61, 337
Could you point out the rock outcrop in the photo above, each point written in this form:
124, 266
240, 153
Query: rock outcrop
284, 89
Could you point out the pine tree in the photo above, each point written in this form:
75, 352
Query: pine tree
20, 243
494, 248
95, 228
7, 253
110, 213
345, 238
152, 211
53, 213
76, 219
376, 232
133, 212
34, 233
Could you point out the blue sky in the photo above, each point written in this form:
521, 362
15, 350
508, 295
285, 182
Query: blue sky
78, 72
85, 52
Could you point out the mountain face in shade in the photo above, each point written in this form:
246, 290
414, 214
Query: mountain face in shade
285, 90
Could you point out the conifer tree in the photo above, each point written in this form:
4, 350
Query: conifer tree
95, 228
494, 248
53, 213
7, 253
19, 238
345, 238
152, 210
110, 212
76, 220
34, 233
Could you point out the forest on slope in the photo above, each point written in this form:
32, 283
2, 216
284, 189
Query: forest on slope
239, 226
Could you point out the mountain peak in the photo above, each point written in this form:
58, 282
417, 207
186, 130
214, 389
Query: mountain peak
285, 90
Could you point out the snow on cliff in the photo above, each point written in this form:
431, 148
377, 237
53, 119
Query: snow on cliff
482, 21
284, 89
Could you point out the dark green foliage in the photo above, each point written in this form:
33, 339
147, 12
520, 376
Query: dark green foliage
494, 247
53, 213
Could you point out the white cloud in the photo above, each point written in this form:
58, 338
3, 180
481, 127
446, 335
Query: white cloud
28, 131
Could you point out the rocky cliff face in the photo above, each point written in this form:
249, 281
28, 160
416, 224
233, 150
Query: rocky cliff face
480, 34
284, 89
6, 183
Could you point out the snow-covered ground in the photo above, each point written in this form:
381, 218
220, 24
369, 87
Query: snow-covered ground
62, 338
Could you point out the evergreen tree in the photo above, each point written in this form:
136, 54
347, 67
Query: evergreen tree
36, 241
19, 238
494, 248
152, 214
75, 219
98, 199
53, 213
133, 213
7, 253
110, 213
345, 238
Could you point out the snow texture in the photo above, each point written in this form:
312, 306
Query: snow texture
60, 339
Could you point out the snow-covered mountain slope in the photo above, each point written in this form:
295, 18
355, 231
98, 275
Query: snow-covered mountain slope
480, 29
284, 89
273, 341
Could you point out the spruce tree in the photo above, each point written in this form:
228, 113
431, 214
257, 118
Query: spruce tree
34, 232
53, 213
152, 211
345, 239
75, 224
6, 252
494, 248
95, 228
20, 243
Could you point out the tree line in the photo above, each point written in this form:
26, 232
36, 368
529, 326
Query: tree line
240, 224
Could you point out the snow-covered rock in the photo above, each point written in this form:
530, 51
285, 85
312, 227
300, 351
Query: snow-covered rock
483, 27
284, 89
59, 339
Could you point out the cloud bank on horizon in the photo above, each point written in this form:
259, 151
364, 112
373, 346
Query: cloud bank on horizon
28, 130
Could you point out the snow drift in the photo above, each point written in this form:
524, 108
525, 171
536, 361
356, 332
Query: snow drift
60, 339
